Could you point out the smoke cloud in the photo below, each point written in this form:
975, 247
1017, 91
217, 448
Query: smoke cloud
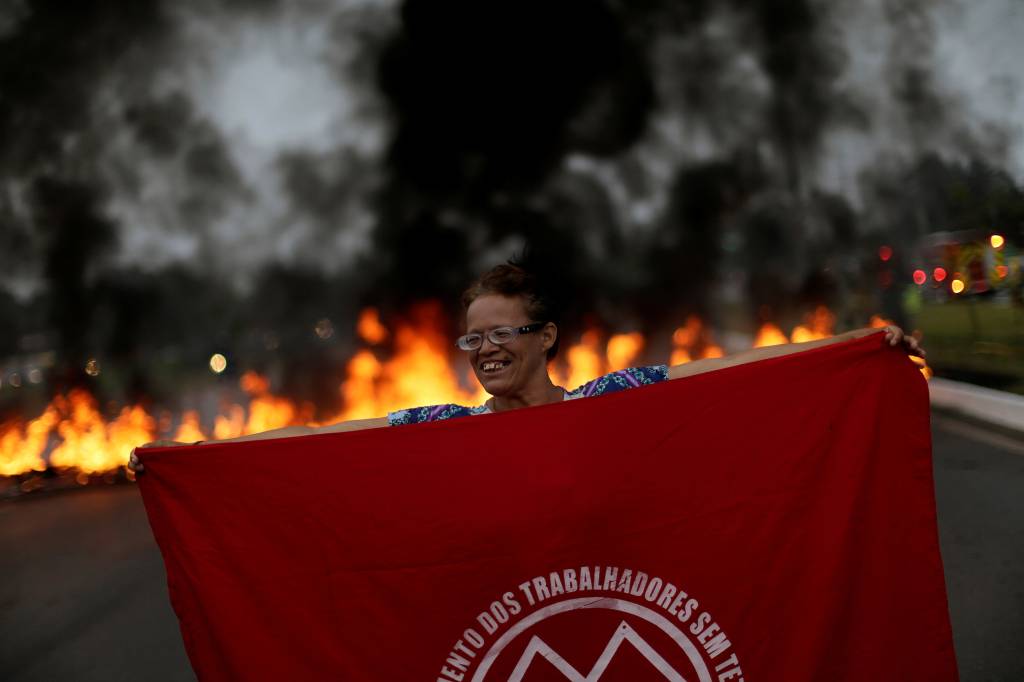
660, 158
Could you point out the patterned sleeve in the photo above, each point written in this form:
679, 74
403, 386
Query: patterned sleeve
428, 413
622, 380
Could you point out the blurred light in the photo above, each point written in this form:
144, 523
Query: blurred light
939, 274
14, 380
920, 277
34, 375
1001, 271
324, 329
218, 363
996, 241
885, 252
92, 367
957, 285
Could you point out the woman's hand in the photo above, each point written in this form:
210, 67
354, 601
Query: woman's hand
894, 335
135, 465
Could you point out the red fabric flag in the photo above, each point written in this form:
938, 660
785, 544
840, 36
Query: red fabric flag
771, 521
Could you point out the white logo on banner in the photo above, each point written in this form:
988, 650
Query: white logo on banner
690, 630
623, 633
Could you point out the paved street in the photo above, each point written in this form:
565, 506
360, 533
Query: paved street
979, 484
83, 596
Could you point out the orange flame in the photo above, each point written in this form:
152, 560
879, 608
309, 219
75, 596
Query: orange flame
21, 449
622, 350
817, 325
418, 373
693, 340
370, 328
923, 366
877, 322
769, 335
585, 361
417, 370
91, 445
189, 430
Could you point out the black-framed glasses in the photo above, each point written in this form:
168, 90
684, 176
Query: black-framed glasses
498, 336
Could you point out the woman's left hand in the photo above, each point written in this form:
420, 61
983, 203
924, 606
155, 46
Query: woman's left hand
894, 335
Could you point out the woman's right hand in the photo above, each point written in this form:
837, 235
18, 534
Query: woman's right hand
135, 465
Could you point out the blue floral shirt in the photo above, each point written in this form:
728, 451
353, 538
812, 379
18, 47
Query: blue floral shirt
609, 383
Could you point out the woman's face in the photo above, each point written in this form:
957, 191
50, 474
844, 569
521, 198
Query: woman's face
507, 368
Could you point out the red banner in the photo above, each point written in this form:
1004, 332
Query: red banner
771, 521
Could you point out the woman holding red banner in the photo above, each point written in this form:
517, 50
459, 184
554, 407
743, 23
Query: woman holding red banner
512, 334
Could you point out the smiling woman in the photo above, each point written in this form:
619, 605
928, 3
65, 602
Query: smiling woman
512, 334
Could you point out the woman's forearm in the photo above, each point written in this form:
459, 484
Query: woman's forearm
790, 348
286, 432
290, 431
755, 354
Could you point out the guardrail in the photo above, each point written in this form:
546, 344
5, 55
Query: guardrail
1002, 409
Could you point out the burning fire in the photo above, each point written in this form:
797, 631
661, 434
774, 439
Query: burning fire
21, 447
417, 373
693, 341
817, 325
769, 335
415, 369
91, 445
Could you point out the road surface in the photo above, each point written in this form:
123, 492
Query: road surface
83, 594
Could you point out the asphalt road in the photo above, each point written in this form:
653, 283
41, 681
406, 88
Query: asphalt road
83, 594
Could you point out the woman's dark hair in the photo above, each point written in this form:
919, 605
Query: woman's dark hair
511, 279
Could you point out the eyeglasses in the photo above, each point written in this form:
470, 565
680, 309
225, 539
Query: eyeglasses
499, 336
